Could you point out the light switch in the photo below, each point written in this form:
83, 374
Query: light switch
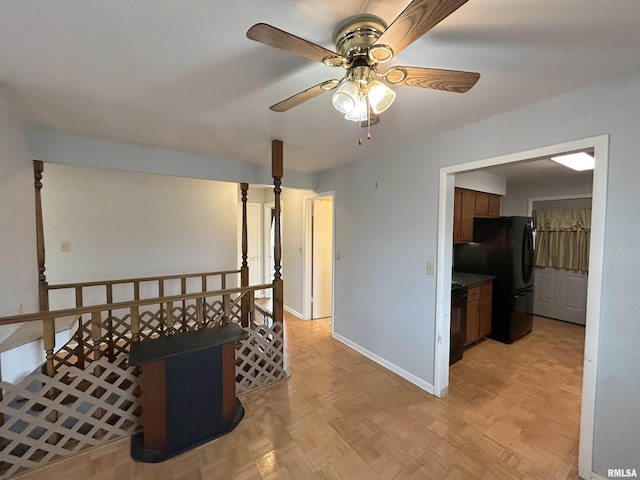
64, 246
431, 268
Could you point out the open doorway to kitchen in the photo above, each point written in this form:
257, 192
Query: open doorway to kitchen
319, 258
505, 429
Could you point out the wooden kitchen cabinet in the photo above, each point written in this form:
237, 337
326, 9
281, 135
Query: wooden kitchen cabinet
473, 316
486, 302
457, 216
479, 305
468, 214
494, 205
469, 204
482, 204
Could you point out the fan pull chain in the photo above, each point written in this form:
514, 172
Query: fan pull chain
368, 119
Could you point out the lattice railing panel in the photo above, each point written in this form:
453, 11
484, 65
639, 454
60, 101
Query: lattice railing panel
46, 418
260, 358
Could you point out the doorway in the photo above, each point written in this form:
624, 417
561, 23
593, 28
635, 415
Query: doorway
600, 145
561, 293
318, 277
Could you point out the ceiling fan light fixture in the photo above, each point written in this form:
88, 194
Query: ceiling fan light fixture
344, 100
361, 111
380, 96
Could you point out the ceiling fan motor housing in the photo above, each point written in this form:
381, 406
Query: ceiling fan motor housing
355, 37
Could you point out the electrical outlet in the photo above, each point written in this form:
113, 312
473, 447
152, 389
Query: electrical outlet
64, 246
431, 268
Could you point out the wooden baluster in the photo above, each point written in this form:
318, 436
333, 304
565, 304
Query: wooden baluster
199, 313
110, 341
96, 338
135, 324
49, 340
96, 335
48, 325
79, 299
204, 300
169, 318
80, 354
136, 290
278, 287
244, 269
80, 347
223, 281
252, 308
183, 311
161, 312
226, 301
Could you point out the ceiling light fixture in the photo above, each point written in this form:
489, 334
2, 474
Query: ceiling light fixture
363, 43
358, 96
577, 161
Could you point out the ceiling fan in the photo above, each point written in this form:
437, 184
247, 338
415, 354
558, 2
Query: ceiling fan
363, 43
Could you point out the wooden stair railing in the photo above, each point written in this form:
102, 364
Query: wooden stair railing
92, 398
166, 304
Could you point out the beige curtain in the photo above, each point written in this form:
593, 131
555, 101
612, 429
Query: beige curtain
562, 238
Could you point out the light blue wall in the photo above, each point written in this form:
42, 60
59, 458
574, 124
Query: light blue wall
56, 147
385, 302
18, 262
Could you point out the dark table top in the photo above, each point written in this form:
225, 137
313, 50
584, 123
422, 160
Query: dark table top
165, 347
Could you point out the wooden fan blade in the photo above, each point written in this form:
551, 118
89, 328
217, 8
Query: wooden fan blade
274, 37
418, 18
447, 80
305, 95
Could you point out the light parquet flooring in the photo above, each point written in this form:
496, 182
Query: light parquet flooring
512, 413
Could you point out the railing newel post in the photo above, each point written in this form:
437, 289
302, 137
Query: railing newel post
277, 152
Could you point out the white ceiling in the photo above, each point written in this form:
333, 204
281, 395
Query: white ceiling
182, 75
538, 169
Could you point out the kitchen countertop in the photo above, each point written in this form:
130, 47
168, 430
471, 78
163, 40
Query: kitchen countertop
464, 279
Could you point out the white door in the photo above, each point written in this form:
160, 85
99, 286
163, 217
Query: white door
322, 257
254, 239
560, 294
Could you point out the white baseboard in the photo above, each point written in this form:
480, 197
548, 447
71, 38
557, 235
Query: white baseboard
595, 476
292, 311
427, 387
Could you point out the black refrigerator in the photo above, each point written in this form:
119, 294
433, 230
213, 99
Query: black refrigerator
503, 247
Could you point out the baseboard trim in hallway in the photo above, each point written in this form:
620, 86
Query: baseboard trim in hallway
410, 377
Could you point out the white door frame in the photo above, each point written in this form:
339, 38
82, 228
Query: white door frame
308, 260
600, 144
